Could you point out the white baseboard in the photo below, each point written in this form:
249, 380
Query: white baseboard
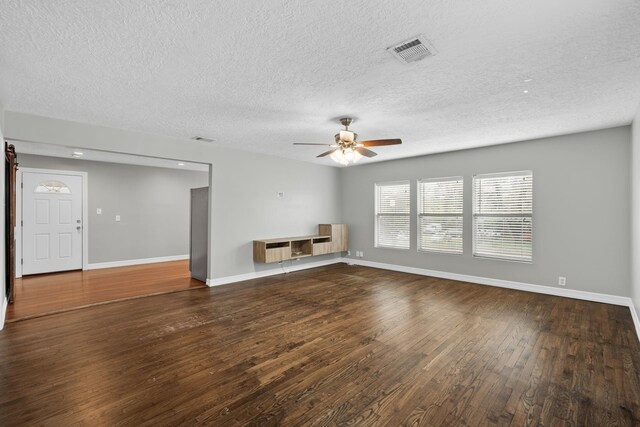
128, 262
636, 318
548, 290
4, 312
528, 287
257, 274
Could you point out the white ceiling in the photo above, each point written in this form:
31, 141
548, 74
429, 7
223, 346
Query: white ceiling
258, 76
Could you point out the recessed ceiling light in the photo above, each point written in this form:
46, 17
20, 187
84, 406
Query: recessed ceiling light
180, 164
525, 91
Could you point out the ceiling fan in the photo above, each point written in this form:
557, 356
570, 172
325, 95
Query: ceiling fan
347, 148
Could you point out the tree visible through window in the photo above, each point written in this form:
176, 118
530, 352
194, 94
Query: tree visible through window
392, 215
502, 215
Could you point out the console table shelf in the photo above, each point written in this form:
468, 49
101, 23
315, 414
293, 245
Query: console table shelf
331, 238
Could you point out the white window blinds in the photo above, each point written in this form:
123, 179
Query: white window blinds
502, 215
440, 207
392, 215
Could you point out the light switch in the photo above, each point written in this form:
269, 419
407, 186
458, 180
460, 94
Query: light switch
99, 211
117, 218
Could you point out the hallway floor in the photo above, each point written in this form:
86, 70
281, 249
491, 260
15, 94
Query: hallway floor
55, 292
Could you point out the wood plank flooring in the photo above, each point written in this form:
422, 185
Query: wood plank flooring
47, 293
336, 345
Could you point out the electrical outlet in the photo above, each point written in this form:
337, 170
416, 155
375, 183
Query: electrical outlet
361, 254
562, 281
99, 211
117, 218
348, 253
280, 194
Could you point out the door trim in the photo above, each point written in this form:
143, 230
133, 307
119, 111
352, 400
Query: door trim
85, 213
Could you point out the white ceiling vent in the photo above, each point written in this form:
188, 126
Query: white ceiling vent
412, 50
202, 139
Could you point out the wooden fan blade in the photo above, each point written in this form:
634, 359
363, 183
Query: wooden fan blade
310, 143
365, 152
380, 142
326, 153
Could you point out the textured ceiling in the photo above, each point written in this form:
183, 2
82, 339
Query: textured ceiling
258, 76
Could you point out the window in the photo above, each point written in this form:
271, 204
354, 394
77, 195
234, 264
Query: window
440, 207
502, 214
392, 215
52, 187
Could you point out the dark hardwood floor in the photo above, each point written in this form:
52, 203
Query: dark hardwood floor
49, 293
337, 345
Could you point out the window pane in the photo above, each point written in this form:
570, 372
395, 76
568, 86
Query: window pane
441, 234
503, 194
52, 187
393, 231
440, 197
393, 198
504, 237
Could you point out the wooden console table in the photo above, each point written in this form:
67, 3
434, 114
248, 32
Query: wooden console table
331, 238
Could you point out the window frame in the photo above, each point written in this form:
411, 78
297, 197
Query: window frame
377, 215
475, 215
419, 214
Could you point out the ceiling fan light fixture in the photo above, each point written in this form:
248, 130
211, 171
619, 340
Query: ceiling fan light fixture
338, 157
347, 149
346, 156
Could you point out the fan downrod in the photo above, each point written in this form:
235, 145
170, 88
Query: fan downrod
346, 121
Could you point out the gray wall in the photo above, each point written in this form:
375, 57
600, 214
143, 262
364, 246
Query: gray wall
153, 204
635, 213
243, 186
249, 208
581, 209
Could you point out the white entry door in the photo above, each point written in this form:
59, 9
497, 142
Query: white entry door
52, 222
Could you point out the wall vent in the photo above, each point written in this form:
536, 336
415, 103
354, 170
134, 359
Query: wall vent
412, 50
203, 139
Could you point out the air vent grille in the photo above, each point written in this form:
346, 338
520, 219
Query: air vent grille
412, 50
203, 139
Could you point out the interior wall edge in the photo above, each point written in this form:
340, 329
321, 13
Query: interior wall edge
635, 212
5, 302
3, 305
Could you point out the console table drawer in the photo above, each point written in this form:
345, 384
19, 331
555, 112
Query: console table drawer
322, 248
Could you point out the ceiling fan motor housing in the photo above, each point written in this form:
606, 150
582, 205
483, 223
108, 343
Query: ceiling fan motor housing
344, 142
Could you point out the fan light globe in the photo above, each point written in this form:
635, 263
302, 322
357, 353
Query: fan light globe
345, 156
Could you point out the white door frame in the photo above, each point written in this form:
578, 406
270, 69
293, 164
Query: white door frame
85, 213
